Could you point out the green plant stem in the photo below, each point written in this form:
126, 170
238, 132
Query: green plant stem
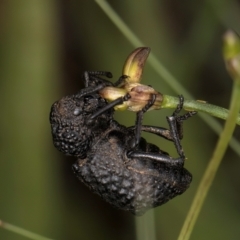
172, 102
21, 231
145, 226
213, 164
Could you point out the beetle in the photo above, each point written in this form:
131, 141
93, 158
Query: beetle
113, 160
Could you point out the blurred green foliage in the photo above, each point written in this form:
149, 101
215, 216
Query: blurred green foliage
45, 45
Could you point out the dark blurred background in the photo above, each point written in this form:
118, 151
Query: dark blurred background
45, 45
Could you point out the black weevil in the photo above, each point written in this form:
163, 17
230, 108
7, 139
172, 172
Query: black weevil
113, 160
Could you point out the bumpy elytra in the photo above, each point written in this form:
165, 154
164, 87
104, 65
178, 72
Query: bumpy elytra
104, 164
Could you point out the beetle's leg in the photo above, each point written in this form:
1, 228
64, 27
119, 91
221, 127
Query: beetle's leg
175, 124
172, 122
157, 157
89, 90
179, 119
163, 132
120, 81
175, 137
179, 122
95, 75
110, 105
160, 131
138, 124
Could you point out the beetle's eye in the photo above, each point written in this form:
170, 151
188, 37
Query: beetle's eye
77, 111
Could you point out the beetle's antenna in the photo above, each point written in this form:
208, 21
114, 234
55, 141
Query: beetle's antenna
109, 106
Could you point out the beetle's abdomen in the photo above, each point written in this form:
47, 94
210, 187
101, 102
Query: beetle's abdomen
134, 185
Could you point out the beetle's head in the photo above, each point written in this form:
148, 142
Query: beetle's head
72, 131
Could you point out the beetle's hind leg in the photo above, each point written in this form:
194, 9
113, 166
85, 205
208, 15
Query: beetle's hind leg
179, 119
176, 125
157, 157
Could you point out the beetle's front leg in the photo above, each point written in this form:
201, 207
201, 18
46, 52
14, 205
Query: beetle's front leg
139, 118
120, 81
93, 83
89, 76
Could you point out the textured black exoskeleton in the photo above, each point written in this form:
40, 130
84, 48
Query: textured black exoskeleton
113, 160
